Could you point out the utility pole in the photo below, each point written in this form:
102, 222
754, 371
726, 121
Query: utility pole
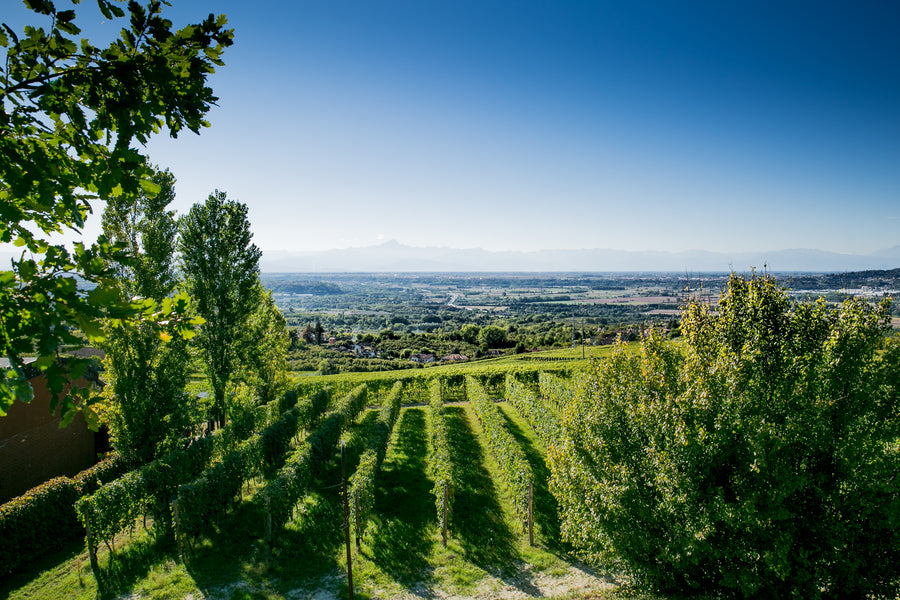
573, 329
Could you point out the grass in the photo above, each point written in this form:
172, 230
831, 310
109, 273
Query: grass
480, 523
401, 551
569, 357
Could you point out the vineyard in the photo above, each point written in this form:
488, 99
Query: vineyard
755, 457
436, 435
447, 488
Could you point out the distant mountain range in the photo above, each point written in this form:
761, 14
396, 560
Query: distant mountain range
393, 256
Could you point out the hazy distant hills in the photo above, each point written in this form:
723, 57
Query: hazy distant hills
393, 256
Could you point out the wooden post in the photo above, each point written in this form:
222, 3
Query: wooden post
346, 522
444, 515
92, 553
268, 521
531, 512
358, 524
177, 519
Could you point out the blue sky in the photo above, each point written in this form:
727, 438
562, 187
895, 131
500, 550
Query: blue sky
532, 125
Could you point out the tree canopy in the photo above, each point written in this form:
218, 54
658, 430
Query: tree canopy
264, 347
758, 460
70, 116
146, 367
220, 264
148, 230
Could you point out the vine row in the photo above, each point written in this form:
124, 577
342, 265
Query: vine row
203, 499
292, 481
542, 420
557, 390
362, 483
514, 467
148, 490
440, 468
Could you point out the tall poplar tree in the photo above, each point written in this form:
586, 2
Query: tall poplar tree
146, 406
220, 264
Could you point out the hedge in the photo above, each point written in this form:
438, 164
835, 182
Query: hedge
40, 520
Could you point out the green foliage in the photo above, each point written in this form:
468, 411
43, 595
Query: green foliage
146, 406
210, 494
148, 231
32, 522
492, 381
221, 269
542, 420
416, 388
308, 411
440, 467
557, 390
292, 481
242, 411
37, 522
469, 333
493, 336
361, 488
760, 461
384, 425
327, 367
70, 113
514, 466
264, 347
201, 500
275, 440
452, 376
149, 409
148, 490
453, 386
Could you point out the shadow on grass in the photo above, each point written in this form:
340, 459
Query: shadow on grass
478, 520
399, 535
130, 564
546, 510
310, 545
234, 550
68, 550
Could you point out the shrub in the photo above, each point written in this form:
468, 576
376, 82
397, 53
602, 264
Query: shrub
761, 460
38, 521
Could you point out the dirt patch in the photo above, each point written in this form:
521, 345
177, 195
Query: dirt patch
524, 584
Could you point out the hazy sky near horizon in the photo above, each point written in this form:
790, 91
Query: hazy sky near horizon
528, 125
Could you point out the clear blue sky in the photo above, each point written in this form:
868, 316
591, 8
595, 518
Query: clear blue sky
527, 125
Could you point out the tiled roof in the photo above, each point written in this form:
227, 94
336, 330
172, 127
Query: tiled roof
5, 363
